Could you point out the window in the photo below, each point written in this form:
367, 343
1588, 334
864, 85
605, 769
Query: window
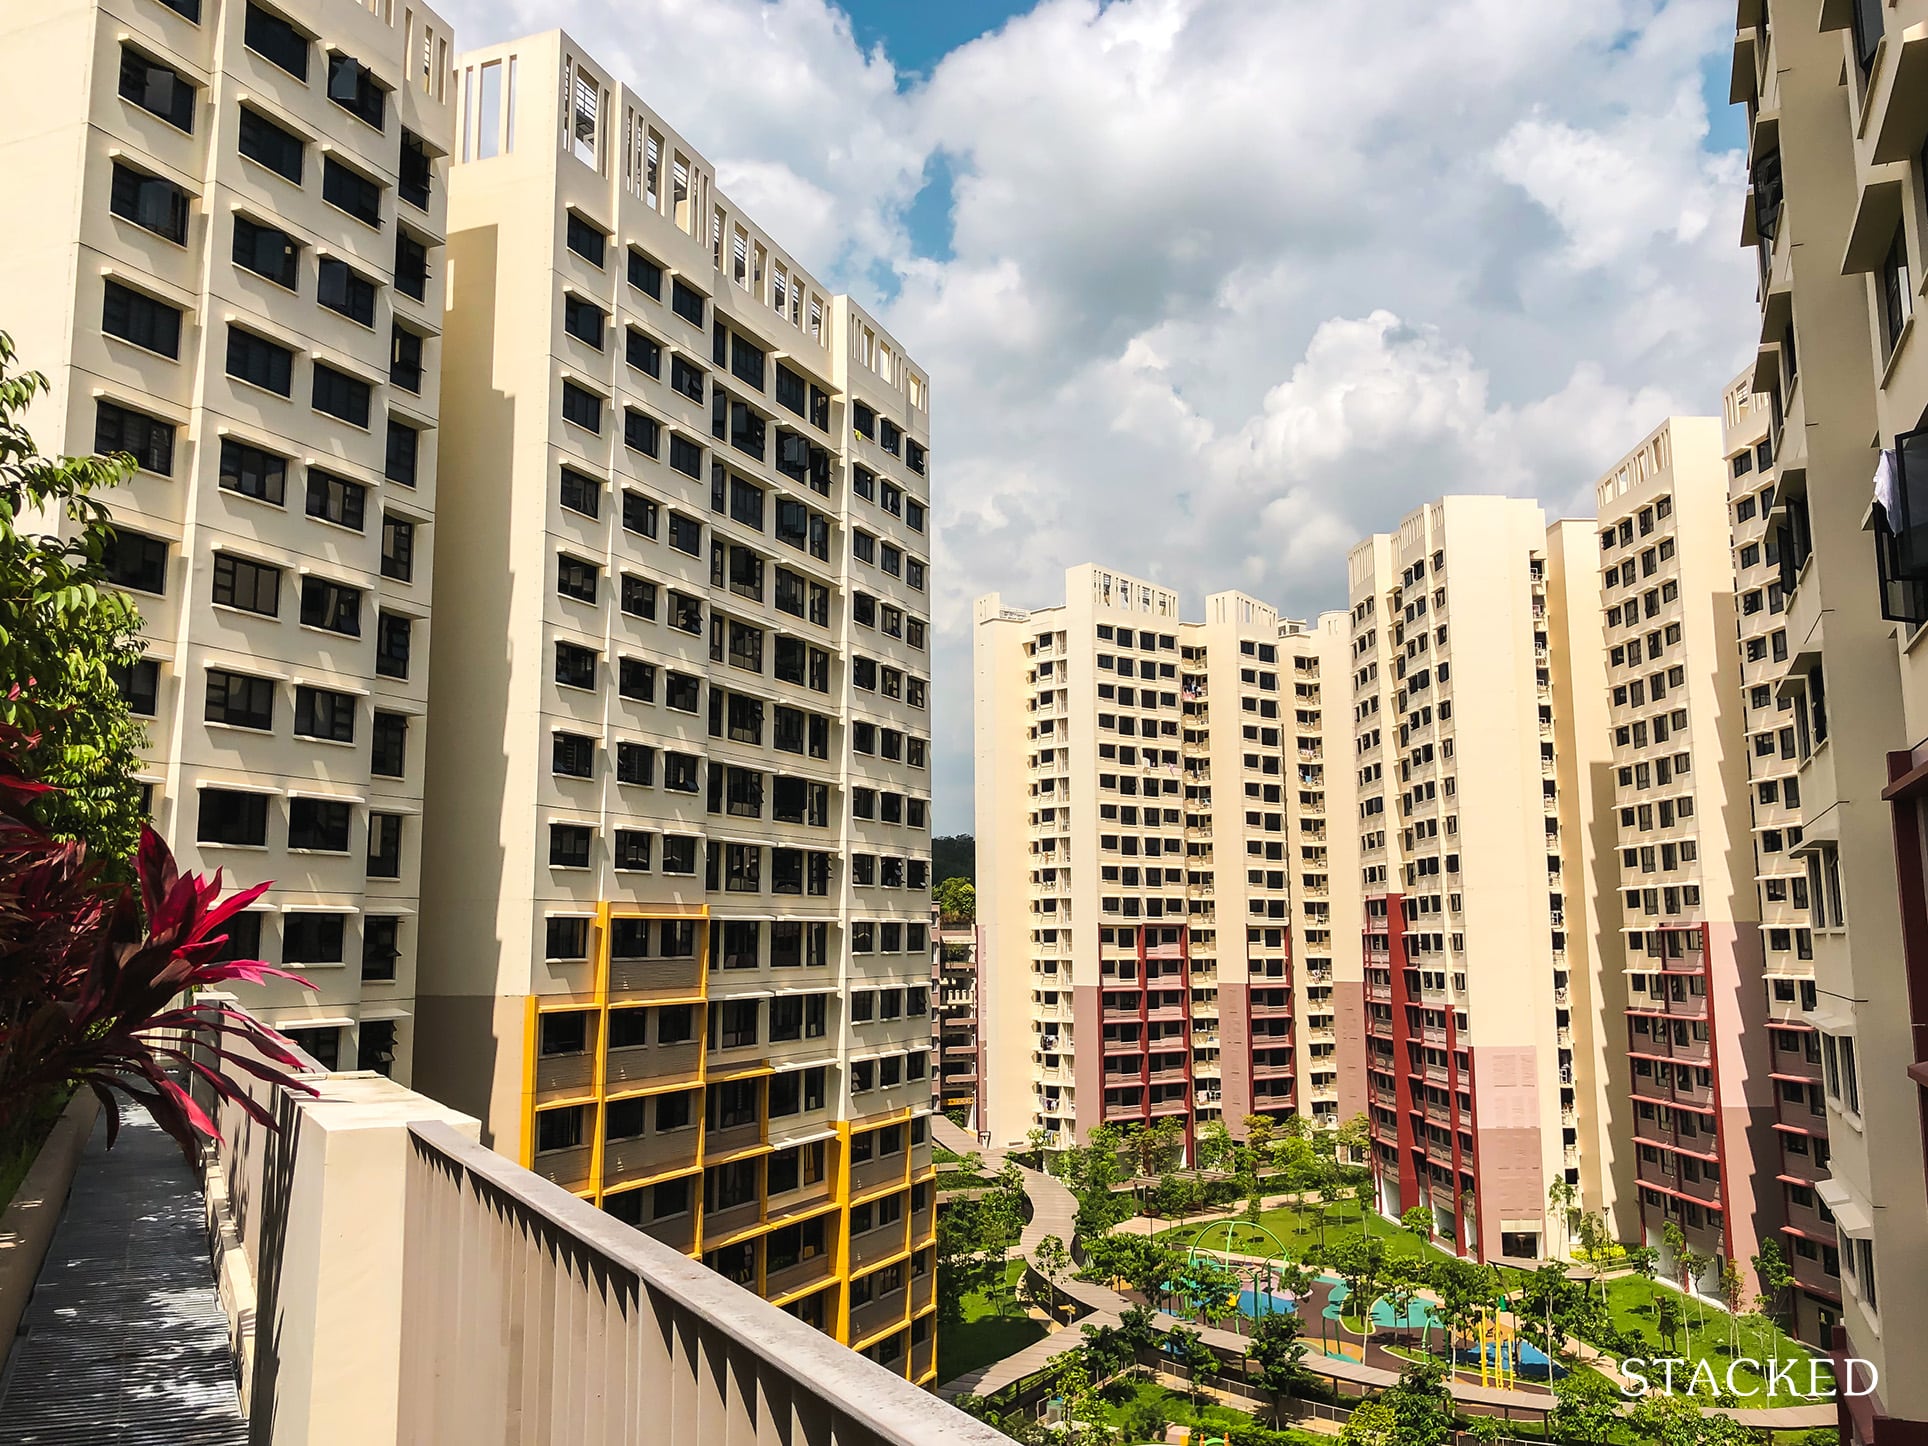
267, 251
398, 548
679, 853
642, 433
151, 203
266, 143
135, 561
330, 605
632, 850
336, 499
148, 440
274, 39
583, 320
405, 359
139, 683
323, 713
1897, 302
252, 471
393, 635
404, 446
685, 378
686, 303
572, 754
577, 579
643, 352
559, 1130
381, 946
575, 666
238, 700
390, 756
260, 362
354, 88
319, 825
645, 275
417, 172
140, 319
636, 680
349, 190
581, 406
685, 456
586, 240
312, 938
569, 846
251, 586
384, 846
232, 818
411, 265
566, 938
339, 287
635, 764
746, 361
157, 89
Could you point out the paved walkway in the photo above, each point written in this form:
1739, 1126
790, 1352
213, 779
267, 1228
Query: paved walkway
124, 1343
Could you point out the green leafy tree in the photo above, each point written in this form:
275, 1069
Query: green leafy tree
1418, 1223
1733, 1295
1052, 1259
956, 900
1771, 1269
1586, 1407
1595, 1242
1667, 1320
64, 633
1189, 1350
1373, 1424
1214, 1149
1561, 1195
1485, 1428
1279, 1353
1422, 1405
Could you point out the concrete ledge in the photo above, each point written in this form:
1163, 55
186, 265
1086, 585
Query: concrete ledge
27, 1227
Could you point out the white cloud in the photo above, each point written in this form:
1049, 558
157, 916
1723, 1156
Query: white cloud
1233, 282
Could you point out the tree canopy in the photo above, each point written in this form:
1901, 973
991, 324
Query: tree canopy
64, 634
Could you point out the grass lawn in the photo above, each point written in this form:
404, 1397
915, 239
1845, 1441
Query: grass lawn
1300, 1228
1630, 1301
1135, 1402
961, 1180
984, 1335
943, 1156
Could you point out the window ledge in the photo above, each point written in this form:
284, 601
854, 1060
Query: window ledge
1893, 362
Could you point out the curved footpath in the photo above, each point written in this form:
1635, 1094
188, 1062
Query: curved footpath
1054, 1211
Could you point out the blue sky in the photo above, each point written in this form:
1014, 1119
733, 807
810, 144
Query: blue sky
1208, 290
919, 33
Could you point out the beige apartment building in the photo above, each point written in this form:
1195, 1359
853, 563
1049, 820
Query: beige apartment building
1835, 217
1695, 1026
1797, 1155
956, 1043
676, 953
1146, 790
225, 250
1477, 922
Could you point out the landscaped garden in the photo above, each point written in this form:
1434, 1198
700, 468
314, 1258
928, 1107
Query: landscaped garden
1325, 1274
987, 1326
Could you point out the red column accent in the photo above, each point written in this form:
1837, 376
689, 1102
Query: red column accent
1452, 1113
1185, 1006
1713, 1070
1401, 1038
1144, 1028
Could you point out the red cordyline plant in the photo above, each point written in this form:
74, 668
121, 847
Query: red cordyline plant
97, 981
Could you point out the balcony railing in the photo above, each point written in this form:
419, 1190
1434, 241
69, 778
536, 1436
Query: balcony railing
374, 1242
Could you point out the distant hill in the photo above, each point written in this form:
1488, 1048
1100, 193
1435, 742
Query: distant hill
954, 857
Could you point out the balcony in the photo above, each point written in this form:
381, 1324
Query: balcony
405, 1264
634, 981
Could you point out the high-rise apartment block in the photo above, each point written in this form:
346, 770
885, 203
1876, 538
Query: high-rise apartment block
1834, 215
1695, 1026
676, 947
1473, 917
225, 251
957, 1074
1146, 790
1797, 1154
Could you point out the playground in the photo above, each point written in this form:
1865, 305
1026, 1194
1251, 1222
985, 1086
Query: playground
1232, 1288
